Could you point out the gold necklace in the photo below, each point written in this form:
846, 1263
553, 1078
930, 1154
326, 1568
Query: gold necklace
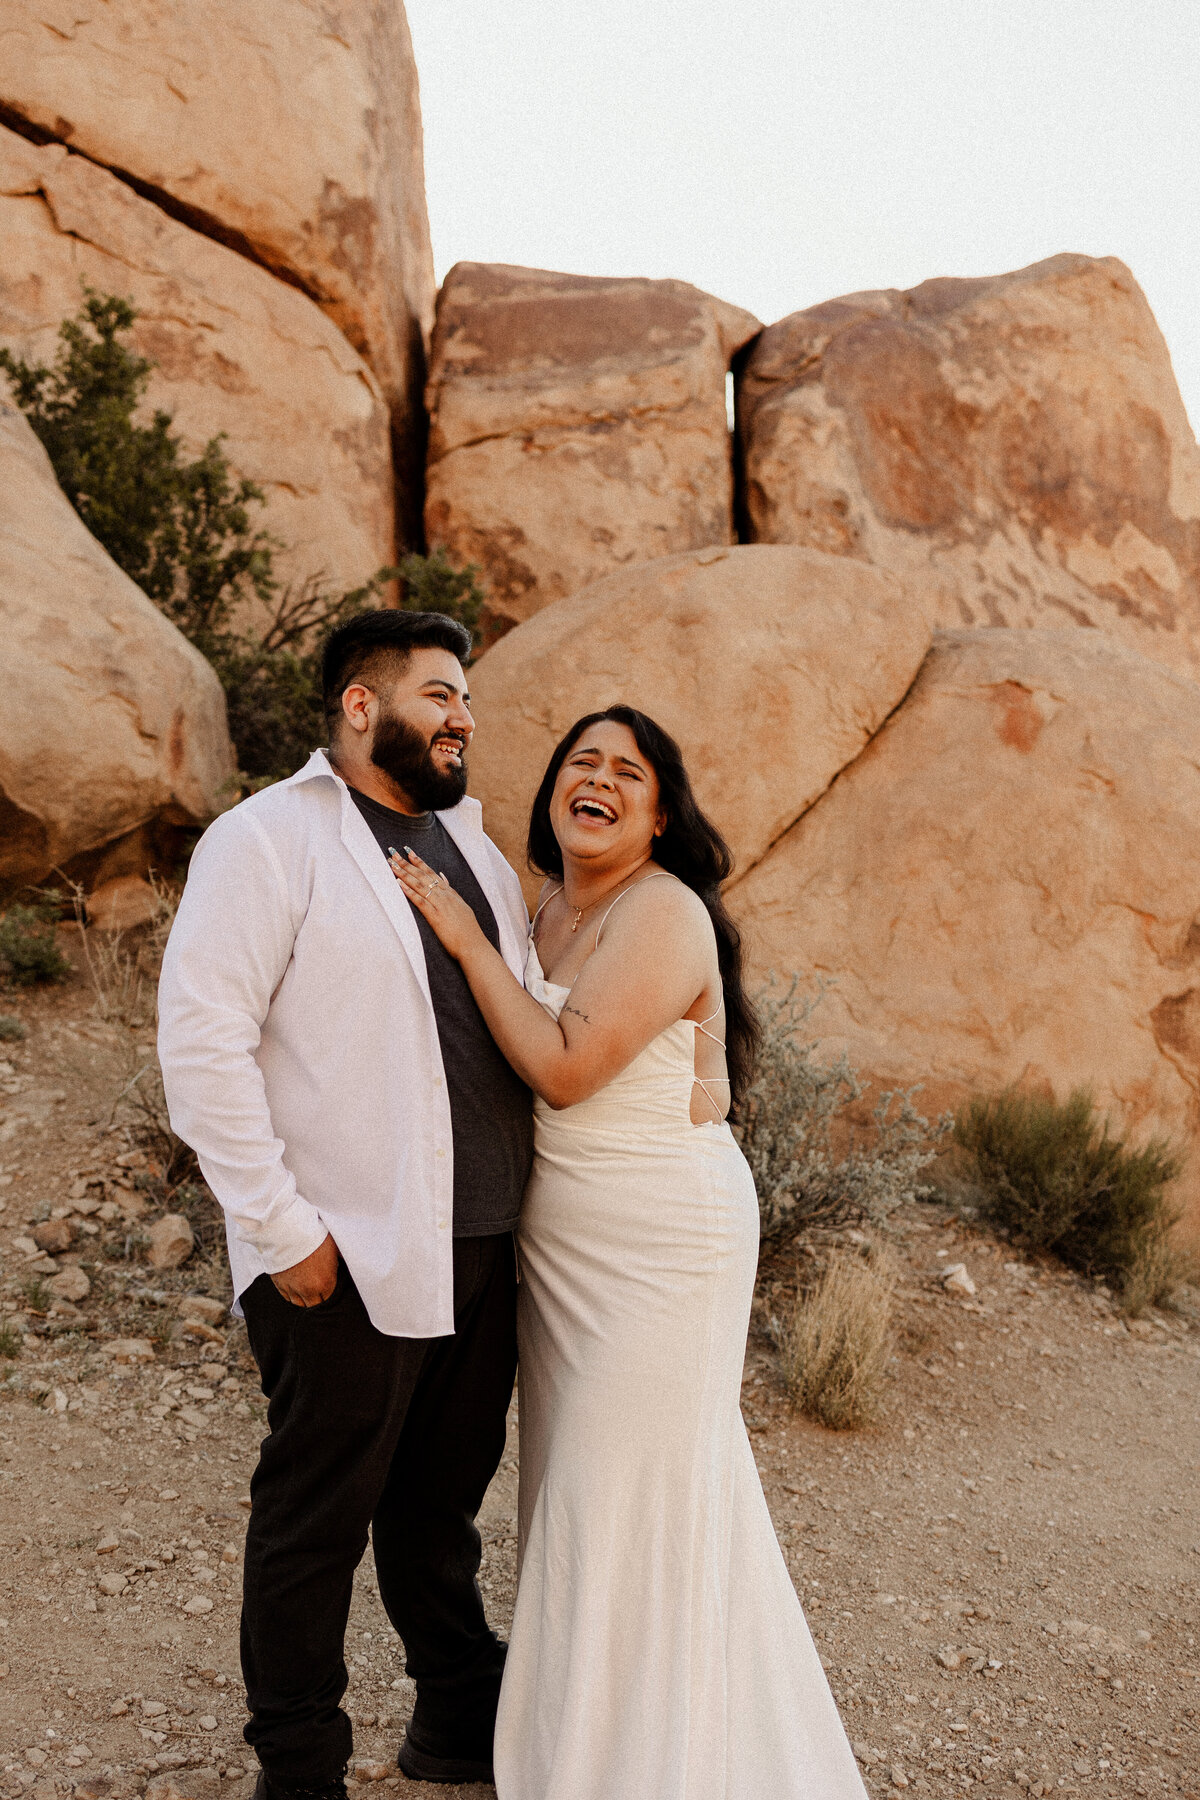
580, 910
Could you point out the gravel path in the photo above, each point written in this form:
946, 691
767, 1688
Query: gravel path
1002, 1577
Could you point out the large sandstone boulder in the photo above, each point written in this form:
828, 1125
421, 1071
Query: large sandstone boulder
111, 720
576, 424
288, 129
1006, 884
1017, 447
237, 350
771, 666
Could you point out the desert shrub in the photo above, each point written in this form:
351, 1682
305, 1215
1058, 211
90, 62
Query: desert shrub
12, 1031
834, 1349
181, 529
811, 1165
1159, 1270
185, 531
1053, 1176
35, 1292
10, 1342
29, 951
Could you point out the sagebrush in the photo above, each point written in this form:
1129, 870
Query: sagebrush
1054, 1176
812, 1165
835, 1347
185, 530
29, 951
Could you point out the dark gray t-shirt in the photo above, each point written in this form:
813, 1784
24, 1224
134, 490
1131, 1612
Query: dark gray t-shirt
491, 1109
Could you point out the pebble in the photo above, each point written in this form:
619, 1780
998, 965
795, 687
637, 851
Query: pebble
199, 1603
956, 1279
373, 1771
202, 1306
130, 1350
55, 1236
72, 1285
171, 1242
112, 1585
107, 1542
197, 1332
152, 1708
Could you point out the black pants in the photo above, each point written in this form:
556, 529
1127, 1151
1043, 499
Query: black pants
399, 1434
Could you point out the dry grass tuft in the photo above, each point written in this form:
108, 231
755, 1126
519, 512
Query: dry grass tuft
836, 1346
1160, 1268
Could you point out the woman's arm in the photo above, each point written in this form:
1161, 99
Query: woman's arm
628, 991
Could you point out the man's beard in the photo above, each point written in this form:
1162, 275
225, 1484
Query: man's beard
402, 754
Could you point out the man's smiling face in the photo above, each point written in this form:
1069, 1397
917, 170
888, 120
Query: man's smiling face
422, 728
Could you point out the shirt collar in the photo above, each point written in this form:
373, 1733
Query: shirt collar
468, 810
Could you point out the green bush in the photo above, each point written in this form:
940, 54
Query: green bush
812, 1165
11, 1343
12, 1031
185, 532
181, 529
29, 949
1054, 1177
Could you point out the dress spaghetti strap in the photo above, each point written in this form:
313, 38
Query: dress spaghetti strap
537, 915
661, 875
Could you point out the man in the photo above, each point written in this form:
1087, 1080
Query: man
370, 1147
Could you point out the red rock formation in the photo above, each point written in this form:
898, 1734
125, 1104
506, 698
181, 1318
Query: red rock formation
576, 424
1015, 447
111, 721
772, 666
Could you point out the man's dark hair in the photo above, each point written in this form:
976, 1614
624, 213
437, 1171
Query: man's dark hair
378, 645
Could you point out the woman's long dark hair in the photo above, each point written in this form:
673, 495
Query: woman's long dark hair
691, 848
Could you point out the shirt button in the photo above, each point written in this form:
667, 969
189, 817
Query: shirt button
441, 1224
437, 1081
440, 1154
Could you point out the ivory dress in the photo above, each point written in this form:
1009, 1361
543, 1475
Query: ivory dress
658, 1650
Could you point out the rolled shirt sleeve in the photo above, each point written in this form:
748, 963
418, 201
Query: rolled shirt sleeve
229, 948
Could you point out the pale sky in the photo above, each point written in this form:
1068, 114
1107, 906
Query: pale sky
780, 152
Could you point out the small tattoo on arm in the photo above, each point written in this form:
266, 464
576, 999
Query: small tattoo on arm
579, 1015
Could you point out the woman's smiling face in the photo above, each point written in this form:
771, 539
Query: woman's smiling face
605, 802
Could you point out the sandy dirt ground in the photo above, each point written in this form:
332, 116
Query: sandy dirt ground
1001, 1576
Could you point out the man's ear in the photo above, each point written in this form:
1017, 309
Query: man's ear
356, 706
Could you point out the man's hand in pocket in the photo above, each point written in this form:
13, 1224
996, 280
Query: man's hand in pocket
309, 1282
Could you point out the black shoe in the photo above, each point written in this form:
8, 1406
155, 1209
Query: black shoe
426, 1765
266, 1789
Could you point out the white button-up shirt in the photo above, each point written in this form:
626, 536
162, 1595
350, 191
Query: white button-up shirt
299, 1047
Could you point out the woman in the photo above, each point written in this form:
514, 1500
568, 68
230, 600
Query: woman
658, 1650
